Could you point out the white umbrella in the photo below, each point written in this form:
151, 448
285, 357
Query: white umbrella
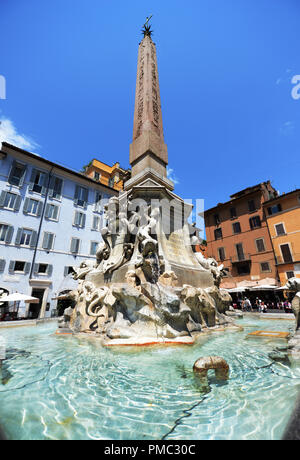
17, 297
263, 287
237, 289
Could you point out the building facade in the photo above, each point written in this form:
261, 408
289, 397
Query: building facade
238, 236
50, 218
283, 219
112, 176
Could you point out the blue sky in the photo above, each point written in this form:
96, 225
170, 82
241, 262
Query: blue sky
225, 70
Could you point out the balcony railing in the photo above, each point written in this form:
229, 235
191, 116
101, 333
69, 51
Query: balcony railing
240, 258
294, 258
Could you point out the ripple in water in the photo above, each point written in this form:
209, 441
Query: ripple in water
69, 388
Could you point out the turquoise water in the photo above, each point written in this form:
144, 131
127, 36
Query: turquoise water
69, 388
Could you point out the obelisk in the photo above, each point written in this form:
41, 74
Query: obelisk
148, 151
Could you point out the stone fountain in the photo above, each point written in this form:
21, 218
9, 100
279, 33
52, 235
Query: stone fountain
148, 284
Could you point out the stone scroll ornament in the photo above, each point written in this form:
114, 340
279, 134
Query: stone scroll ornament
127, 293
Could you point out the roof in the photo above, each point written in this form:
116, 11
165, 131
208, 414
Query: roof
238, 195
282, 196
56, 165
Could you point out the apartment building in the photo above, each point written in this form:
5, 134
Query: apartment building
283, 219
238, 236
50, 217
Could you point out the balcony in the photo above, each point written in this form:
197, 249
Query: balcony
240, 258
293, 258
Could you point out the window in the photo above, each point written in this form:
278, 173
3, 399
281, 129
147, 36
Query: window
96, 175
17, 174
98, 198
217, 219
233, 214
111, 181
243, 269
236, 227
75, 243
55, 188
51, 212
33, 207
240, 251
290, 275
221, 252
19, 266
286, 253
218, 233
79, 219
279, 229
254, 222
96, 223
265, 267
251, 205
43, 269
68, 270
48, 241
6, 232
274, 209
38, 182
81, 196
25, 237
10, 201
94, 246
260, 245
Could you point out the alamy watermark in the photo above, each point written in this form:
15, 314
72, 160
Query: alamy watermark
2, 87
296, 89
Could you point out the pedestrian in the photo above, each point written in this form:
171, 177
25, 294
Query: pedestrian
247, 304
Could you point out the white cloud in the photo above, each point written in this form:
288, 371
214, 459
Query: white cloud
287, 129
9, 133
171, 176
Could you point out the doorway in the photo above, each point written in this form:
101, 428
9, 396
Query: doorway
35, 308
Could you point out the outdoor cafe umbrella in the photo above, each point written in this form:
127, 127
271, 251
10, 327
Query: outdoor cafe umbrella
18, 297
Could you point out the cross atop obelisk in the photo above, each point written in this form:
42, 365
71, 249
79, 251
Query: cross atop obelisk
148, 149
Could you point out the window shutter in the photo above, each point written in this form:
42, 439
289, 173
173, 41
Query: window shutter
2, 265
66, 270
18, 237
39, 208
279, 207
55, 214
74, 245
14, 163
27, 267
76, 195
31, 182
2, 198
23, 176
83, 220
26, 205
33, 239
45, 184
36, 268
86, 196
45, 240
51, 187
49, 270
11, 267
9, 234
47, 212
18, 202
